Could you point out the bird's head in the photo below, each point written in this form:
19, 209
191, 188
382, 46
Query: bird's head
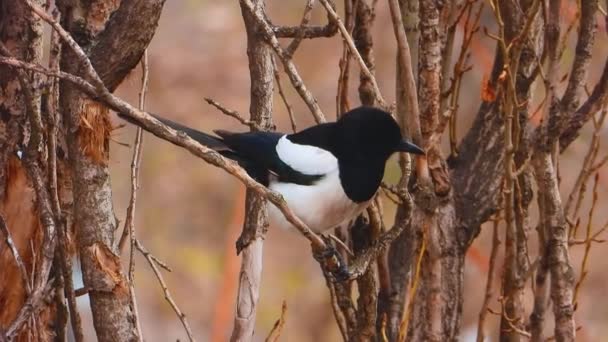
368, 133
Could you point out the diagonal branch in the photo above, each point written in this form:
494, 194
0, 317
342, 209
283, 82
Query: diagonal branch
582, 57
594, 103
16, 255
288, 65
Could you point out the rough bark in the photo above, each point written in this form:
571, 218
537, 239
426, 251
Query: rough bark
251, 241
21, 35
553, 220
558, 258
473, 172
95, 26
400, 256
362, 36
362, 231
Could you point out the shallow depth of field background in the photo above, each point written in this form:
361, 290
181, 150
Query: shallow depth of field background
189, 213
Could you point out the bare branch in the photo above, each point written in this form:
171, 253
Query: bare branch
295, 43
594, 103
403, 327
129, 226
163, 285
353, 50
489, 283
275, 333
277, 79
83, 85
582, 57
288, 65
232, 113
588, 241
406, 75
16, 255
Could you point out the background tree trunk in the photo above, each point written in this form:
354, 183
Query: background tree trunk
115, 36
21, 36
251, 242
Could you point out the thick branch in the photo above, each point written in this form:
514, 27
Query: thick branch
261, 73
582, 57
592, 105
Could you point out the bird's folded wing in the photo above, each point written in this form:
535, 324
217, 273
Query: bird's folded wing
259, 151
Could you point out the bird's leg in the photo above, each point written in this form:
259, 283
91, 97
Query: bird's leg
330, 256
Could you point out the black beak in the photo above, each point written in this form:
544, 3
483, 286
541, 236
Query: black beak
406, 146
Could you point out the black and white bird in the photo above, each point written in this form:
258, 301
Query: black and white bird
327, 173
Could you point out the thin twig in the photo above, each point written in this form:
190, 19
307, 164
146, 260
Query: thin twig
341, 244
16, 255
589, 241
233, 114
353, 49
80, 82
129, 227
489, 282
411, 118
288, 65
65, 261
163, 285
277, 78
403, 327
295, 43
275, 333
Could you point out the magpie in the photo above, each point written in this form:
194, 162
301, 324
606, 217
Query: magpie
327, 173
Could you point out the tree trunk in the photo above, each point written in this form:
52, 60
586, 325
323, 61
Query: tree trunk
251, 241
115, 39
21, 35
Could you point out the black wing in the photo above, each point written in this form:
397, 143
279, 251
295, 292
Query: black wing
256, 152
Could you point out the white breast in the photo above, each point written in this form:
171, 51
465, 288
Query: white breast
321, 206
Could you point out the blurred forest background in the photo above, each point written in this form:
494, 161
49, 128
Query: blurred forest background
189, 213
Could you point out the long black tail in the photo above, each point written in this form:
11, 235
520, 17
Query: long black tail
213, 142
203, 138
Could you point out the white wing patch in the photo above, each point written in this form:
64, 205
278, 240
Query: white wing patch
309, 160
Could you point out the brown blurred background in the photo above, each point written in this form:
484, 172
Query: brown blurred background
189, 213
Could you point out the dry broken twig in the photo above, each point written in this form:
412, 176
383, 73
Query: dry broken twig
275, 333
277, 78
234, 114
153, 264
129, 226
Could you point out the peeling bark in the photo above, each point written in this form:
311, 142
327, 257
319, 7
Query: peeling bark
21, 34
95, 26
